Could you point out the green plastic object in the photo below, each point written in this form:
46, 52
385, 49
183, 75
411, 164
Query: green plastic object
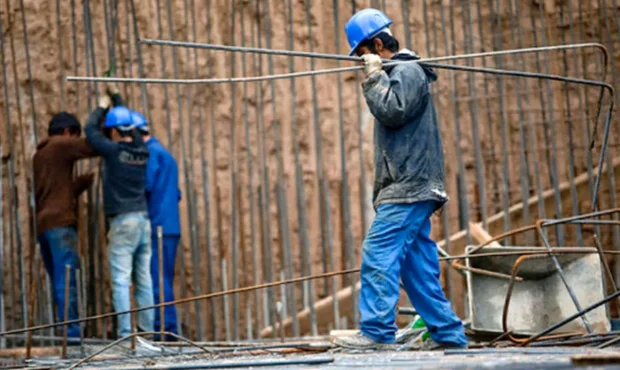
418, 323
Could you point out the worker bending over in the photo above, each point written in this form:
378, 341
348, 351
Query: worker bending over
56, 191
162, 196
129, 240
408, 189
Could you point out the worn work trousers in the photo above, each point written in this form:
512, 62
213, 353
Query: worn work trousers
59, 249
130, 258
398, 245
170, 244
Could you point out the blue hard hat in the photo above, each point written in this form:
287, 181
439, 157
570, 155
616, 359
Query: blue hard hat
118, 117
363, 25
139, 122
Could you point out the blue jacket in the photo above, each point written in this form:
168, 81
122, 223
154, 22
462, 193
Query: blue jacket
162, 189
409, 164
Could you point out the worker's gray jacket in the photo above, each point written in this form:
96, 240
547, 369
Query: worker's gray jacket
408, 153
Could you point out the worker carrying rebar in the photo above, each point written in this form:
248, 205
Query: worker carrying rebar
408, 189
56, 191
162, 196
110, 131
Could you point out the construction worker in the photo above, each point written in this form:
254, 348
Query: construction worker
56, 191
408, 189
129, 240
162, 196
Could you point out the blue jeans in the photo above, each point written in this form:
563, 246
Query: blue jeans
170, 244
58, 249
398, 245
130, 257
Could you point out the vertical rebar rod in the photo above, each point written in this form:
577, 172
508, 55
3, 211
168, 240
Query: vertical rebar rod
29, 71
227, 321
12, 182
65, 314
75, 53
80, 307
211, 247
253, 307
264, 187
610, 168
445, 221
530, 120
233, 181
505, 143
281, 198
160, 280
489, 117
553, 173
188, 186
473, 110
345, 205
404, 6
191, 197
524, 167
302, 217
457, 124
2, 312
360, 145
143, 93
323, 190
61, 64
571, 140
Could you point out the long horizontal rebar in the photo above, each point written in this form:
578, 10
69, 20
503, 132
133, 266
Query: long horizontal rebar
190, 81
198, 45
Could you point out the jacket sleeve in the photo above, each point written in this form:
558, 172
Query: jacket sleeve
152, 167
392, 99
117, 100
95, 137
77, 148
82, 183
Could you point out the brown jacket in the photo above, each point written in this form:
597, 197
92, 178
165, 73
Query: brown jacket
55, 188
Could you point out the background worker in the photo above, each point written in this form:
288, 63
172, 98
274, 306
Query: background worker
129, 244
409, 188
163, 196
56, 191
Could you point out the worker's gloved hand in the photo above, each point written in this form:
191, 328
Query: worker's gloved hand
105, 101
372, 64
112, 88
